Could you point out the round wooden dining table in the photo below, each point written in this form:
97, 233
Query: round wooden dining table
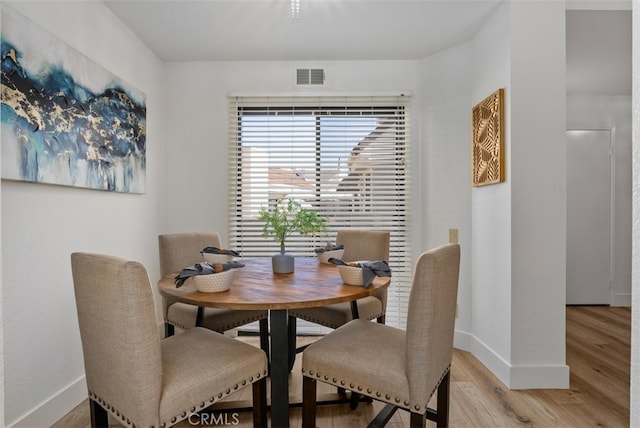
256, 287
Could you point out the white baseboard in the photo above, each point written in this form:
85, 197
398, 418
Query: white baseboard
53, 409
539, 377
462, 340
520, 377
621, 299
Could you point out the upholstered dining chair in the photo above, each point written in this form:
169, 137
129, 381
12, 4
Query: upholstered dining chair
131, 373
402, 369
179, 250
358, 245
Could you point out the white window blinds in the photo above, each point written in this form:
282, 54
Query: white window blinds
343, 157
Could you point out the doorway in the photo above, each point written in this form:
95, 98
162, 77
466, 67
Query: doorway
589, 216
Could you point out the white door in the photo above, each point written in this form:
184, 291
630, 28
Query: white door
588, 217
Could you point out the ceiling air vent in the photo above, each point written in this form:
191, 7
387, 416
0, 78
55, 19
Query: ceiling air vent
310, 76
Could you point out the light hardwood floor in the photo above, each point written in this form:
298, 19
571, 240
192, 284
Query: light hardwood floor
598, 353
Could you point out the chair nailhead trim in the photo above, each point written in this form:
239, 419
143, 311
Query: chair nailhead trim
360, 388
116, 413
183, 415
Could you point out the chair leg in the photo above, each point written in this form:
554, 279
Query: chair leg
308, 402
99, 417
264, 335
199, 316
383, 417
418, 420
260, 403
353, 400
292, 331
381, 319
443, 401
169, 330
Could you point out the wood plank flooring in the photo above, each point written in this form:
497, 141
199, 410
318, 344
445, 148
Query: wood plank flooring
598, 353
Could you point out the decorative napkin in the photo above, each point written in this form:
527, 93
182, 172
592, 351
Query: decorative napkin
369, 269
204, 268
216, 250
329, 247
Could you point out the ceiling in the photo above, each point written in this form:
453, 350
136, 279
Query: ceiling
598, 42
230, 30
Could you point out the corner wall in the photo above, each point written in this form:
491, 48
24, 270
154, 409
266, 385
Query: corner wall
518, 227
43, 224
444, 176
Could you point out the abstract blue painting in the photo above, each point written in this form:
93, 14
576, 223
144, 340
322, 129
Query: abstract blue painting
65, 119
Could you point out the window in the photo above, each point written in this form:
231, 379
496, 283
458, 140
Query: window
345, 158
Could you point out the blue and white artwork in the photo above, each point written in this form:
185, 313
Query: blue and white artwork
65, 119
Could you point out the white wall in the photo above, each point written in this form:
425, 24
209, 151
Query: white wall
635, 313
518, 227
614, 113
538, 143
43, 224
444, 171
491, 212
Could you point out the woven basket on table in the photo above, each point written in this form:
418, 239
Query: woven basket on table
351, 275
214, 282
325, 256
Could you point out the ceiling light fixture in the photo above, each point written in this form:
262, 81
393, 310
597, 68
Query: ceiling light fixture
295, 9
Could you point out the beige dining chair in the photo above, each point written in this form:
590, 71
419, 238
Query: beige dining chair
135, 376
180, 250
358, 245
400, 368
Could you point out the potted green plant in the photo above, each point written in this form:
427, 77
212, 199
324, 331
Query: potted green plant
286, 217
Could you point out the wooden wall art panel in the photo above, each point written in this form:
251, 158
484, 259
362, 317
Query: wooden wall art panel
488, 140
